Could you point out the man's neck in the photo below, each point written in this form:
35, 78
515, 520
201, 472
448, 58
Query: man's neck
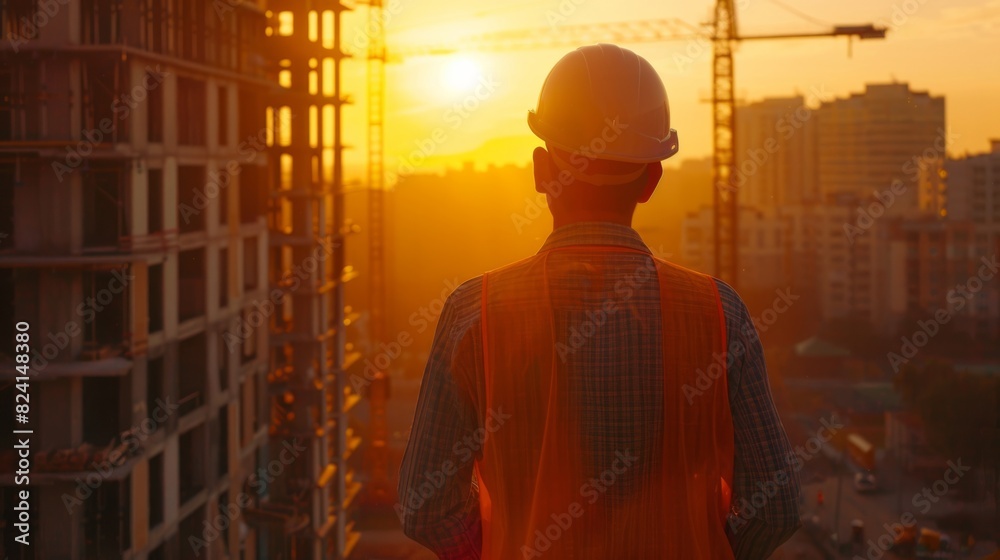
559, 221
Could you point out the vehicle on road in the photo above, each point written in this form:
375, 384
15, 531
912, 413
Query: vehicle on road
933, 545
922, 544
865, 483
861, 452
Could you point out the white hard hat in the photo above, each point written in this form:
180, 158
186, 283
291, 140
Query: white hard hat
605, 102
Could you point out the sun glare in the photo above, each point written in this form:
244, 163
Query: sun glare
460, 74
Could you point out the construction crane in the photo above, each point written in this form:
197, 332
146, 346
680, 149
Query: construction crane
379, 492
376, 170
724, 35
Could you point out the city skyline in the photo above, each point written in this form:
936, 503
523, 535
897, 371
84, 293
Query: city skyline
933, 48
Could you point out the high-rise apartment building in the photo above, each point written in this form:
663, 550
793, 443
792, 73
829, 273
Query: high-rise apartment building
869, 140
878, 141
776, 153
972, 190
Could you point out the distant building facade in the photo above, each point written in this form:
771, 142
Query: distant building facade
870, 140
827, 192
776, 153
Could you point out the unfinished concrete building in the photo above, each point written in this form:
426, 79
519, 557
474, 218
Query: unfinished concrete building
141, 151
310, 506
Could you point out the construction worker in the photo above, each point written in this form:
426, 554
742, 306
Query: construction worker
594, 401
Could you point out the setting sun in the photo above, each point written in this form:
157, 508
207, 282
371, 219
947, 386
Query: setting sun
460, 74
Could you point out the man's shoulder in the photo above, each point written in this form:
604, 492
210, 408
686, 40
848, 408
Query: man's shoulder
733, 306
732, 303
727, 293
462, 307
466, 293
464, 304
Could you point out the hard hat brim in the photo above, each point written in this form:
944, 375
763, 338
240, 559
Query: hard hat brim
651, 150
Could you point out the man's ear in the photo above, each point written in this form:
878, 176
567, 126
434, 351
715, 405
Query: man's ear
542, 164
654, 171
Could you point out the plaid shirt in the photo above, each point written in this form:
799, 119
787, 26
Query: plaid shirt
438, 500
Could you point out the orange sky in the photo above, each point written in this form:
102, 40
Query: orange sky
947, 48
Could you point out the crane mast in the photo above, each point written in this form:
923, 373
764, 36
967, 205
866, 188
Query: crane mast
725, 223
379, 490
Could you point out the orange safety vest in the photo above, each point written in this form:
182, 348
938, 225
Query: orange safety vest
536, 501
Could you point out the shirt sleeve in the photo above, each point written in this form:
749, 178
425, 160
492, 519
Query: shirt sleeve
766, 483
438, 503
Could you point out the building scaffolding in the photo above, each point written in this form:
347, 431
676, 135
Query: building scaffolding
309, 396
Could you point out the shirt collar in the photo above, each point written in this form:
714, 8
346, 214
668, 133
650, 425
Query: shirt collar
594, 233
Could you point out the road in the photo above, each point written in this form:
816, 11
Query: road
899, 494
